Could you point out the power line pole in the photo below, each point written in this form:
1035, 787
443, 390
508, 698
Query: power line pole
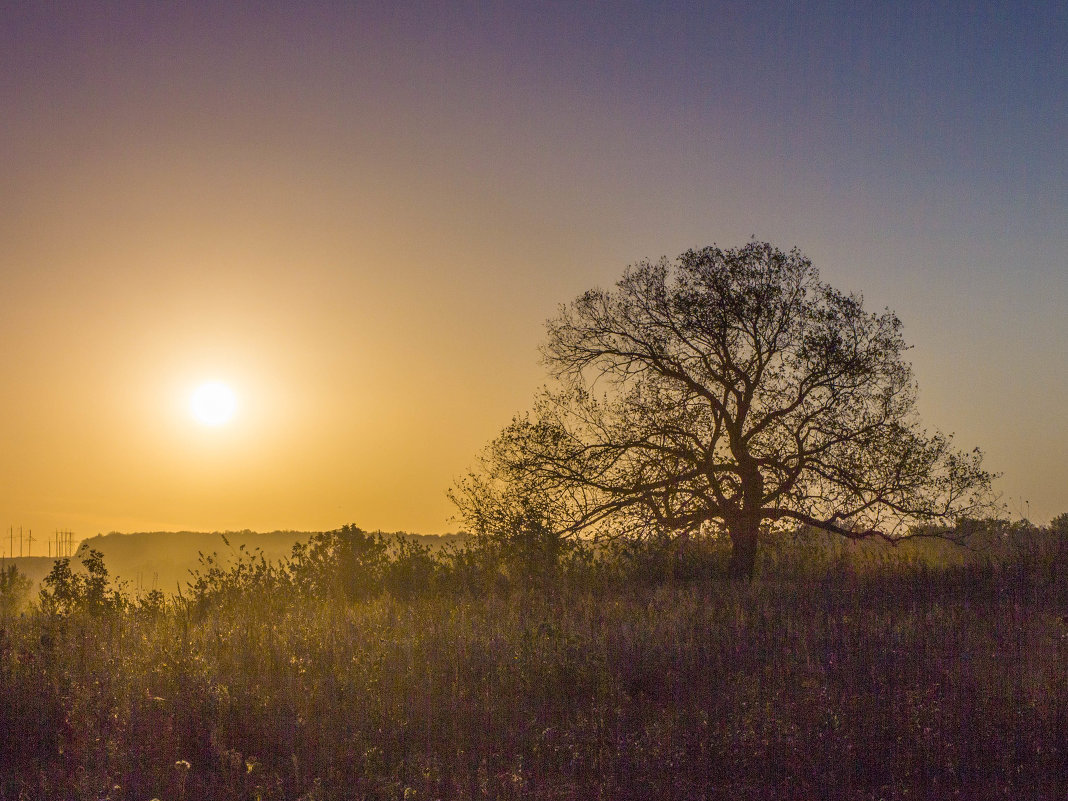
29, 543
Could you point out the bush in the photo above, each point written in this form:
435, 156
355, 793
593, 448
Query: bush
66, 591
248, 575
472, 569
411, 569
344, 564
14, 590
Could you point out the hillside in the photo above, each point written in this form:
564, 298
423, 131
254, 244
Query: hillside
163, 559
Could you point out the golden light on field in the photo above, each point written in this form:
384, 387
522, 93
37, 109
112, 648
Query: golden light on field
213, 404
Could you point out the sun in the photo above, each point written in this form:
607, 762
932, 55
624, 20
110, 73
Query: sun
213, 403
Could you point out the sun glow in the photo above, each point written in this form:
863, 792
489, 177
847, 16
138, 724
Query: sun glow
213, 404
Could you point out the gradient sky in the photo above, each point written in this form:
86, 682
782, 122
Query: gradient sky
360, 215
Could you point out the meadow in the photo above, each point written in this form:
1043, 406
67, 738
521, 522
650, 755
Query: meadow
367, 668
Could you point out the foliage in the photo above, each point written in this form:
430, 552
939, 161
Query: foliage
732, 391
152, 602
14, 589
347, 563
512, 516
411, 569
245, 575
90, 590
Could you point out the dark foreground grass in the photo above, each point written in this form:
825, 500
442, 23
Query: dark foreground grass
899, 683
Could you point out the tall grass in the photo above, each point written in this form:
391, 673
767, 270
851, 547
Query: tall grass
871, 678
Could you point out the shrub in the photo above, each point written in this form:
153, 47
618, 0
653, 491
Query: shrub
410, 569
14, 590
65, 591
347, 563
247, 574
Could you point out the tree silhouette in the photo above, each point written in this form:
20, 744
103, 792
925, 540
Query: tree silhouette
731, 390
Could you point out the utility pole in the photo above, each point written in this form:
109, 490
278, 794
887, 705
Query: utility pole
29, 543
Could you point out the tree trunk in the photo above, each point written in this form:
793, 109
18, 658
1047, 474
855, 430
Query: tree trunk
743, 534
680, 568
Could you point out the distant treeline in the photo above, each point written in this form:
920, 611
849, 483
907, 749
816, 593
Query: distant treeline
163, 560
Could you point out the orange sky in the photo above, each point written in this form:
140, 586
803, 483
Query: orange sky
362, 218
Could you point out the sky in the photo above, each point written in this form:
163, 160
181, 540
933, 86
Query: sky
360, 215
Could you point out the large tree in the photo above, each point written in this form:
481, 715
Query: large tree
730, 389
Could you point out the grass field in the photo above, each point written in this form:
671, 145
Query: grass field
881, 678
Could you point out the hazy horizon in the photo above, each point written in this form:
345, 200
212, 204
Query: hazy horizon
360, 218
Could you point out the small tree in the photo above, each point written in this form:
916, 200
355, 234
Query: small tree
501, 510
731, 390
65, 590
14, 589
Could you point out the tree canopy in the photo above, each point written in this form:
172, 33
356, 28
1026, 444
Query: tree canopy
729, 390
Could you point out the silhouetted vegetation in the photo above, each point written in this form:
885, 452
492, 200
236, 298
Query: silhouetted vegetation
365, 666
162, 560
14, 589
90, 591
729, 389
